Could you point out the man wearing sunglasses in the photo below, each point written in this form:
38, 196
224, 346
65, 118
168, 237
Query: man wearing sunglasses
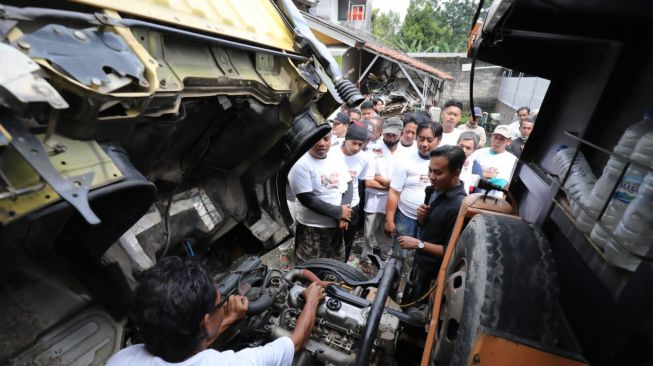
179, 313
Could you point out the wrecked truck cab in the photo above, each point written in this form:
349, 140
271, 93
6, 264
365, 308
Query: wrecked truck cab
135, 130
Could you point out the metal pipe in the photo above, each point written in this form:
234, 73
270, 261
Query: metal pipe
346, 89
372, 325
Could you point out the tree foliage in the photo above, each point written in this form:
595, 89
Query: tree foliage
421, 27
386, 26
429, 25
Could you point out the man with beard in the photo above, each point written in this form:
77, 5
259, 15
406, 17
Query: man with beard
377, 182
436, 219
322, 185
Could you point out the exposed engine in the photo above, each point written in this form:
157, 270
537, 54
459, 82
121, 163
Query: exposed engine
276, 304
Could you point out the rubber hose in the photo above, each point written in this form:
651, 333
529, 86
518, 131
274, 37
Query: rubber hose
260, 305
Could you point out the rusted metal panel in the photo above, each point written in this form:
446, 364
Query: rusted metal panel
255, 21
491, 350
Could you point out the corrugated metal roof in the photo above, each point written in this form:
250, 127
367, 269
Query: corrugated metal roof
256, 21
403, 58
353, 39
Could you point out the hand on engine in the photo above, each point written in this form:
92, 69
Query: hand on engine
314, 291
236, 307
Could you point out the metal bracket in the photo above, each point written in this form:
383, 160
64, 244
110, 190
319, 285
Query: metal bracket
19, 81
84, 54
73, 189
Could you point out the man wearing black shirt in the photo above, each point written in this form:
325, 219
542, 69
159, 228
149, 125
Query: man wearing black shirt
436, 219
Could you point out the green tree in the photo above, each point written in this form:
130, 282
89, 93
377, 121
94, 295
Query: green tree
421, 30
457, 16
385, 26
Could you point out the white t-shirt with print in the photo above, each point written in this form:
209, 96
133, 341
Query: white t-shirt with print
410, 178
277, 353
327, 178
357, 165
381, 163
450, 138
502, 164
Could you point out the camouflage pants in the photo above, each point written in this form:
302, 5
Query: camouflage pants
317, 242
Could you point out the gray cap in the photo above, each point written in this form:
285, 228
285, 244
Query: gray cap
393, 125
478, 112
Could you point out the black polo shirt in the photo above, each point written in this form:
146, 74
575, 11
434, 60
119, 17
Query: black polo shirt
440, 222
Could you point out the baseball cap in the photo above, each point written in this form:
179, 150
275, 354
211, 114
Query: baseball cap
357, 131
393, 125
342, 118
502, 130
478, 112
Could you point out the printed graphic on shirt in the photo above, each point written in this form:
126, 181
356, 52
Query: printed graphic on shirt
491, 172
424, 179
329, 181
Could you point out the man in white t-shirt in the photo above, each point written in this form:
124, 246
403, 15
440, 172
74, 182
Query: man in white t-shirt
179, 313
339, 128
522, 115
409, 179
377, 182
497, 163
323, 187
367, 110
409, 132
351, 150
451, 113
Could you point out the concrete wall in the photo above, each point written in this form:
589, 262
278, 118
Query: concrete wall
487, 79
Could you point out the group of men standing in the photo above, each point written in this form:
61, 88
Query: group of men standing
178, 309
393, 161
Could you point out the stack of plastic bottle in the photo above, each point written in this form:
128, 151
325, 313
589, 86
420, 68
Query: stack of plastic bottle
600, 194
580, 179
635, 230
626, 192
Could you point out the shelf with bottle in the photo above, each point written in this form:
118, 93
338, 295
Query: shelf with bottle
598, 207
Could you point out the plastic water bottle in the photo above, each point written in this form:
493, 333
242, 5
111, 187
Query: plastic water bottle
626, 192
634, 231
601, 191
580, 180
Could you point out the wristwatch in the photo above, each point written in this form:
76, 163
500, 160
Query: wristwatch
420, 245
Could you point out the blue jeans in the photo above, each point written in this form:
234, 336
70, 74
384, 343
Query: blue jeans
404, 225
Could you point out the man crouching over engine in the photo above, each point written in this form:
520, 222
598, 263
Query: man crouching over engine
179, 314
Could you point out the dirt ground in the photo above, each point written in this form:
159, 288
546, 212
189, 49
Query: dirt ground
273, 258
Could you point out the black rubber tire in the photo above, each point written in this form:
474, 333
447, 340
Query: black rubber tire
510, 289
324, 267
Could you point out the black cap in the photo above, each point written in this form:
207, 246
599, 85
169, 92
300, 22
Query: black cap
342, 118
356, 131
